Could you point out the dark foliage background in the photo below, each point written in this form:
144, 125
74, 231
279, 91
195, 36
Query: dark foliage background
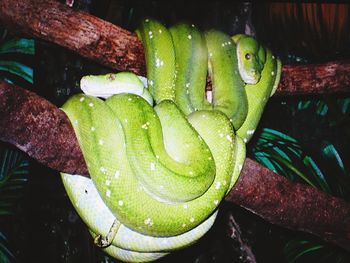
305, 139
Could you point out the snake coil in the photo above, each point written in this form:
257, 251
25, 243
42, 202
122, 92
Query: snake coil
159, 173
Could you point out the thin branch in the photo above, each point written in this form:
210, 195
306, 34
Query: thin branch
117, 48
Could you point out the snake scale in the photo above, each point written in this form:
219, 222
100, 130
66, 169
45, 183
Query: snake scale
162, 157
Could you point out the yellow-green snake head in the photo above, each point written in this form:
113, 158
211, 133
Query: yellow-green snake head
251, 57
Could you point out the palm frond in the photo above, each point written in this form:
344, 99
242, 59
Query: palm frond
22, 45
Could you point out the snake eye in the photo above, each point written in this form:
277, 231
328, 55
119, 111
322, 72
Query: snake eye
247, 56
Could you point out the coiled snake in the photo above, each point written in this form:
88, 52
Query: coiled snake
158, 173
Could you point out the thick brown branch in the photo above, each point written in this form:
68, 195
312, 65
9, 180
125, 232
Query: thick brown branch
87, 35
292, 205
38, 128
44, 132
119, 49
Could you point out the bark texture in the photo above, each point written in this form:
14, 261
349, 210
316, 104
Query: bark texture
87, 35
39, 129
117, 48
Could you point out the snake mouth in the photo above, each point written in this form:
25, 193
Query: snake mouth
249, 77
252, 78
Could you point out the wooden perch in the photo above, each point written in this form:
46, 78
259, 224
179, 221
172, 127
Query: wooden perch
44, 132
120, 49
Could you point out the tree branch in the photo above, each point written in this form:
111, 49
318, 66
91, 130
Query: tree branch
44, 132
120, 49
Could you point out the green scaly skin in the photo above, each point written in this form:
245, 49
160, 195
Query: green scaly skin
163, 171
259, 94
191, 68
228, 87
160, 62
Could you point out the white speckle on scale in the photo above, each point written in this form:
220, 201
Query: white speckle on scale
157, 156
152, 166
101, 142
93, 128
146, 20
120, 202
193, 25
272, 73
108, 193
191, 173
209, 158
191, 219
221, 134
185, 206
189, 36
82, 99
117, 174
150, 82
229, 138
188, 85
145, 126
160, 31
183, 225
103, 170
250, 132
129, 99
76, 122
159, 63
91, 104
216, 202
218, 185
108, 182
245, 140
148, 221
126, 120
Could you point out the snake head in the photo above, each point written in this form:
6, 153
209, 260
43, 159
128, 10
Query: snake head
251, 58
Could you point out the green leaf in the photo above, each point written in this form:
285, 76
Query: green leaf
331, 152
22, 45
297, 248
6, 255
344, 104
18, 69
319, 179
302, 105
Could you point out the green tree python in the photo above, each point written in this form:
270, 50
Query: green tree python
162, 156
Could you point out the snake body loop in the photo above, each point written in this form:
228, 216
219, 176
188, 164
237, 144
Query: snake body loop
158, 172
